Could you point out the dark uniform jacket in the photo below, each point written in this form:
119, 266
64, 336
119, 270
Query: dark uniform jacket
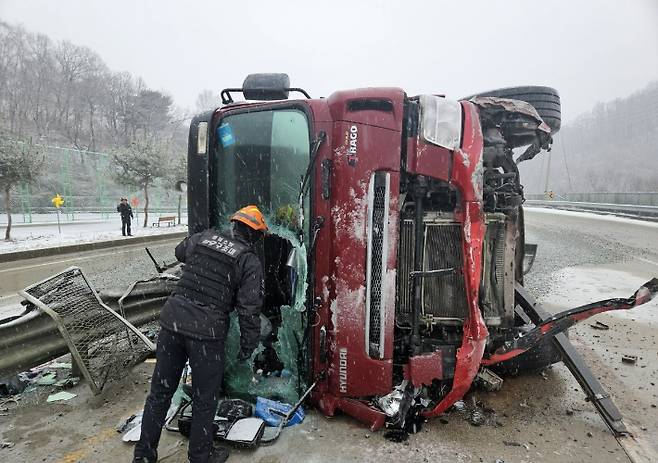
125, 210
221, 273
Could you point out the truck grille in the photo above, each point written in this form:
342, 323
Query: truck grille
443, 297
378, 200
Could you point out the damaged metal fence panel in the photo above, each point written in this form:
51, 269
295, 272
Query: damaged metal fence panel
33, 338
102, 342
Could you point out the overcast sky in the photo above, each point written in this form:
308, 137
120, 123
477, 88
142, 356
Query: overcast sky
590, 51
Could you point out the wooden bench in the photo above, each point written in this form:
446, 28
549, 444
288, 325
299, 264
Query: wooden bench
168, 219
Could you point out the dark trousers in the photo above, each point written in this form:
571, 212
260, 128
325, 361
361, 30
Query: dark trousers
125, 226
207, 363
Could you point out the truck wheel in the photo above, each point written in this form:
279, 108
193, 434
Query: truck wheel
546, 101
539, 357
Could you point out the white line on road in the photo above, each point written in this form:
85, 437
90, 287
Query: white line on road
73, 259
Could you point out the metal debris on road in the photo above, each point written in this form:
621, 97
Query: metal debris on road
597, 325
488, 380
630, 359
102, 343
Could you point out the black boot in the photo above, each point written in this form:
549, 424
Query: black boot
218, 455
145, 459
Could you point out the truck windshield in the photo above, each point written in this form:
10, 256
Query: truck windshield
260, 160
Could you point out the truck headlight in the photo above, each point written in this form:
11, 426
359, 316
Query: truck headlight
441, 121
202, 138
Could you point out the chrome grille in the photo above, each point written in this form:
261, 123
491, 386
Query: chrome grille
377, 257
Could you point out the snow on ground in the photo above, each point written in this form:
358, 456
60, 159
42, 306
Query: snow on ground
584, 284
46, 235
592, 215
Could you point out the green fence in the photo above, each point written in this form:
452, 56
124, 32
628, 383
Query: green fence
84, 180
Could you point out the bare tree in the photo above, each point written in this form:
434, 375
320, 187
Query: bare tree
140, 165
207, 100
20, 162
176, 173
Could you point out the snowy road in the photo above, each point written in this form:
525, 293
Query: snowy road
105, 268
539, 417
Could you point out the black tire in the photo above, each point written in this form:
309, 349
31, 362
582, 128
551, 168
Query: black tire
539, 357
546, 101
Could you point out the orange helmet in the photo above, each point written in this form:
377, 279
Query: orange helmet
252, 217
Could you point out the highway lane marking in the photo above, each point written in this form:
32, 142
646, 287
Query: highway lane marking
103, 436
77, 455
72, 259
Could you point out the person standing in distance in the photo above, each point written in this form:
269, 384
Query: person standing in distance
221, 273
126, 216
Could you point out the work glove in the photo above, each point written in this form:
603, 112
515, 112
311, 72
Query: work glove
243, 355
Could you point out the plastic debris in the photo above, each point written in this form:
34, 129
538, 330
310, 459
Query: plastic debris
234, 409
132, 427
477, 418
246, 431
134, 434
460, 405
61, 396
6, 445
126, 424
630, 359
272, 412
488, 380
476, 412
390, 403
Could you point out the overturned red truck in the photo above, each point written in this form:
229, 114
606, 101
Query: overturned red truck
409, 213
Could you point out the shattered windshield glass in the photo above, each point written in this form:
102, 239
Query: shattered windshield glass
260, 160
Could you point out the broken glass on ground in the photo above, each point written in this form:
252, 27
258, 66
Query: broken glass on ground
63, 395
476, 412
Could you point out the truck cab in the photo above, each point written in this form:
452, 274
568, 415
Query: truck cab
396, 231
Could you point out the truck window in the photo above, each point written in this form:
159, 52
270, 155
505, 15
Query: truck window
260, 159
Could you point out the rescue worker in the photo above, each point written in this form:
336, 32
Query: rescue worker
221, 273
126, 216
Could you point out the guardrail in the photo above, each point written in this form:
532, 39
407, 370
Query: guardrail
640, 198
629, 210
